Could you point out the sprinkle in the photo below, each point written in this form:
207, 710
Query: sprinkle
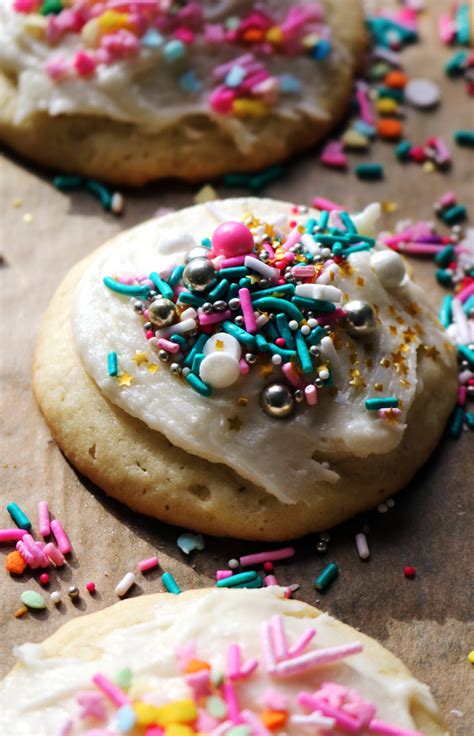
125, 289
370, 172
326, 577
239, 579
409, 572
125, 584
43, 519
148, 564
233, 564
170, 583
32, 599
388, 402
44, 578
54, 555
15, 564
422, 93
18, 516
464, 138
470, 657
90, 587
55, 597
12, 535
316, 658
188, 542
112, 364
61, 537
21, 611
362, 546
110, 690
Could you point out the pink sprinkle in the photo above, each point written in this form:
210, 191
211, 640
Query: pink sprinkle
277, 633
386, 730
446, 29
148, 564
112, 691
233, 662
247, 310
61, 537
169, 345
275, 700
230, 697
321, 203
84, 64
43, 519
57, 67
365, 107
231, 262
292, 239
34, 550
267, 647
419, 249
293, 377
344, 720
258, 729
301, 643
316, 658
214, 317
448, 199
222, 574
330, 317
199, 682
270, 556
54, 555
12, 535
221, 100
244, 367
25, 6
185, 35
333, 155
269, 580
303, 272
465, 293
65, 729
311, 395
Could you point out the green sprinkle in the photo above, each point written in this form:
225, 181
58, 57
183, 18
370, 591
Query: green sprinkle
52, 7
285, 332
112, 364
241, 577
445, 311
126, 289
164, 288
326, 577
454, 214
239, 334
19, 516
170, 583
101, 192
369, 172
317, 305
196, 348
67, 183
219, 290
464, 138
272, 303
387, 402
456, 422
186, 297
445, 256
32, 599
236, 272
124, 678
303, 354
175, 275
198, 385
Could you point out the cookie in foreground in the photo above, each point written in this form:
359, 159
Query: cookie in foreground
220, 662
246, 368
130, 92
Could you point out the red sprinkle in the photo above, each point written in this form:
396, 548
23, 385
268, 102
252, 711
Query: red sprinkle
90, 586
44, 578
268, 566
409, 572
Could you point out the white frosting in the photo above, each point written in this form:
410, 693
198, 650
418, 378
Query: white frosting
274, 454
37, 698
145, 90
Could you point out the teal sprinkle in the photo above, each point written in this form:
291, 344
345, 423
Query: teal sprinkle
402, 151
463, 31
443, 277
152, 39
196, 348
170, 583
257, 583
186, 297
241, 577
445, 256
239, 334
198, 385
323, 220
270, 332
245, 283
456, 422
219, 290
236, 272
197, 360
326, 577
316, 335
445, 311
179, 339
190, 82
349, 225
236, 180
206, 242
357, 249
126, 289
455, 66
285, 354
469, 417
369, 172
174, 50
317, 305
163, 287
18, 516
272, 303
466, 354
285, 332
100, 191
464, 138
283, 290
394, 94
261, 180
303, 354
262, 344
233, 291
387, 402
330, 239
337, 249
112, 364
67, 183
454, 214
310, 225
175, 275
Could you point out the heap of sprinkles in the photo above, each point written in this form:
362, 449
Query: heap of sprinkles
254, 295
119, 31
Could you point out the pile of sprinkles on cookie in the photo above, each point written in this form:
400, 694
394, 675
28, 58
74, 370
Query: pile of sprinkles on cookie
280, 362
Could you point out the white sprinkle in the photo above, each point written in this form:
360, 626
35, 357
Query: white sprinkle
362, 546
125, 584
185, 326
314, 719
390, 503
422, 93
266, 271
461, 322
261, 320
318, 291
189, 314
117, 204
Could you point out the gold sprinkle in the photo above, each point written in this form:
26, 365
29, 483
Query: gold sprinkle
392, 311
234, 424
385, 363
205, 194
431, 352
219, 345
125, 379
369, 362
393, 329
152, 367
389, 207
409, 335
17, 203
266, 370
405, 383
400, 320
360, 281
378, 386
242, 401
356, 379
21, 612
140, 357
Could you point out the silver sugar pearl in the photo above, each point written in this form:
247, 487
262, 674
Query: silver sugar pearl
313, 351
360, 319
321, 548
239, 320
207, 307
175, 368
138, 305
199, 274
277, 400
73, 592
152, 293
264, 256
250, 358
162, 312
220, 305
234, 303
299, 395
164, 356
325, 537
318, 382
198, 252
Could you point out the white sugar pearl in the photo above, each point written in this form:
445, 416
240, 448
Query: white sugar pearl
389, 267
324, 374
293, 324
422, 93
233, 564
305, 330
312, 323
55, 596
277, 359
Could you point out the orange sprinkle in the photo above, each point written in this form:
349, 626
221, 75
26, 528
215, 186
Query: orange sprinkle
252, 35
273, 719
14, 563
389, 128
396, 80
21, 612
195, 665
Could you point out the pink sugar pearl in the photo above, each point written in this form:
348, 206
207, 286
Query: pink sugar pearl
232, 239
90, 586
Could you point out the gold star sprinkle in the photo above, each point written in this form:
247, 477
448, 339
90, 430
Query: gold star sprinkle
234, 424
125, 379
431, 352
266, 370
409, 335
393, 329
140, 357
413, 309
378, 386
385, 363
356, 379
369, 362
360, 281
219, 345
152, 367
405, 383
